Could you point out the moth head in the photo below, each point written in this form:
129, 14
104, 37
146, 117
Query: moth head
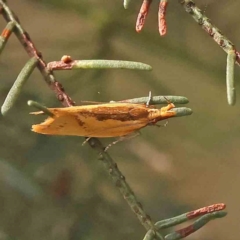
162, 113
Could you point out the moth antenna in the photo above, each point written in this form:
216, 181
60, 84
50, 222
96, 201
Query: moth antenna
40, 107
126, 137
168, 101
169, 106
149, 98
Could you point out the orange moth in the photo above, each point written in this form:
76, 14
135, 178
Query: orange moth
102, 120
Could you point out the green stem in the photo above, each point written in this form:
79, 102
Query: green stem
231, 93
40, 107
18, 85
97, 64
157, 100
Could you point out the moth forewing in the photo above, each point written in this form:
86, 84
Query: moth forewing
102, 120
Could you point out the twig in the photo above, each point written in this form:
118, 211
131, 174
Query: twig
221, 40
206, 25
30, 48
122, 185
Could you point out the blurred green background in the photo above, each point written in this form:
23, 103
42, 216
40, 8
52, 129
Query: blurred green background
53, 188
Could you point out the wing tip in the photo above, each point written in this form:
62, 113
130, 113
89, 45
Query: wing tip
43, 127
38, 128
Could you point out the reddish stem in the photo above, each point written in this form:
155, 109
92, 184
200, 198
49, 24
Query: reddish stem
142, 14
162, 24
205, 210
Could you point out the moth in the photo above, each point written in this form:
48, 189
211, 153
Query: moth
102, 120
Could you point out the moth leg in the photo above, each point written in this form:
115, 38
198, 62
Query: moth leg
158, 125
161, 125
120, 139
149, 99
86, 140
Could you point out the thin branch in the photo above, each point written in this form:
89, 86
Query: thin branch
221, 40
122, 185
30, 48
206, 25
